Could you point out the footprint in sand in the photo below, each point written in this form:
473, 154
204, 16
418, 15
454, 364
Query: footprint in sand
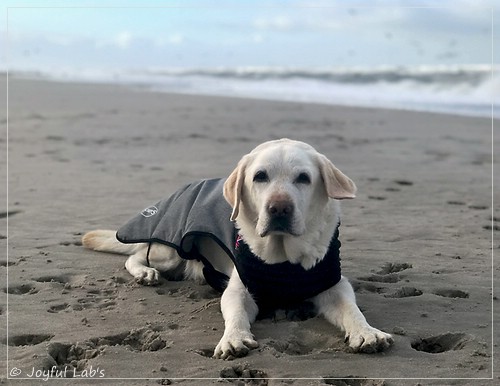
303, 342
403, 182
389, 268
494, 224
478, 207
289, 347
62, 279
390, 278
120, 280
21, 289
360, 286
196, 294
378, 198
10, 213
55, 138
246, 373
405, 292
347, 381
391, 189
77, 243
441, 343
58, 308
389, 273
454, 202
395, 189
451, 293
72, 357
96, 298
142, 339
76, 356
28, 339
207, 352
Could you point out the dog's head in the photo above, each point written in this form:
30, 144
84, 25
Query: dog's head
281, 185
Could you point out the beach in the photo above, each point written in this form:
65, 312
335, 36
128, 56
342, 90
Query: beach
416, 241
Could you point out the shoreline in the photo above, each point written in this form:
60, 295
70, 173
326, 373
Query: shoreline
415, 242
462, 110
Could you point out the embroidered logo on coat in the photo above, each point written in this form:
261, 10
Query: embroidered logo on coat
150, 211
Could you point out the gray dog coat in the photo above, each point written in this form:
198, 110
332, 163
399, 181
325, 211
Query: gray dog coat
199, 209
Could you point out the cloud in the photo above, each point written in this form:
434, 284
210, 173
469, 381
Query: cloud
329, 15
278, 22
62, 40
51, 38
176, 38
257, 38
123, 39
327, 19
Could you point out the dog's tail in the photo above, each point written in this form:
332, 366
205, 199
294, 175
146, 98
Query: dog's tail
105, 241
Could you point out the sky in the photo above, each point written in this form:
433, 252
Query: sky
137, 35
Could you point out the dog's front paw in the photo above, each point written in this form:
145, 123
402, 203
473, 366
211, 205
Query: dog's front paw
235, 344
148, 276
369, 340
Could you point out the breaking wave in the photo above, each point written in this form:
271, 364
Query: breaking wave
461, 89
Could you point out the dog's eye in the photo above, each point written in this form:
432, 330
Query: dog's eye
303, 178
261, 176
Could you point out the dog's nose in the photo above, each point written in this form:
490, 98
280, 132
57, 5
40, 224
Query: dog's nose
280, 216
280, 209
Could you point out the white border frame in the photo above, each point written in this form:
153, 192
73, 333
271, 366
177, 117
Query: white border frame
7, 52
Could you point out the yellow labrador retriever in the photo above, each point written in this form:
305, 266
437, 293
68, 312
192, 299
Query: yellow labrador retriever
282, 248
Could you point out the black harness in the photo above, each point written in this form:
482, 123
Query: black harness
286, 284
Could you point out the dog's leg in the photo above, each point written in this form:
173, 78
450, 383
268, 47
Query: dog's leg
338, 305
239, 311
136, 265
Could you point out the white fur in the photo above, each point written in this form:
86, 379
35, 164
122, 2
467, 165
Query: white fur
315, 216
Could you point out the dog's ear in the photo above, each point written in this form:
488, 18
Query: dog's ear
337, 184
234, 185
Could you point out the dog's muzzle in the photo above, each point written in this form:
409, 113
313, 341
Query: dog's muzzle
280, 218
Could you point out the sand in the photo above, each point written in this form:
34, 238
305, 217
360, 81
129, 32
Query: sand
416, 242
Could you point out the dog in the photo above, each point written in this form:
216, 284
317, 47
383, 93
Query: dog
267, 236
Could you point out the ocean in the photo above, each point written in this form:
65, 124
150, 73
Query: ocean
472, 90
